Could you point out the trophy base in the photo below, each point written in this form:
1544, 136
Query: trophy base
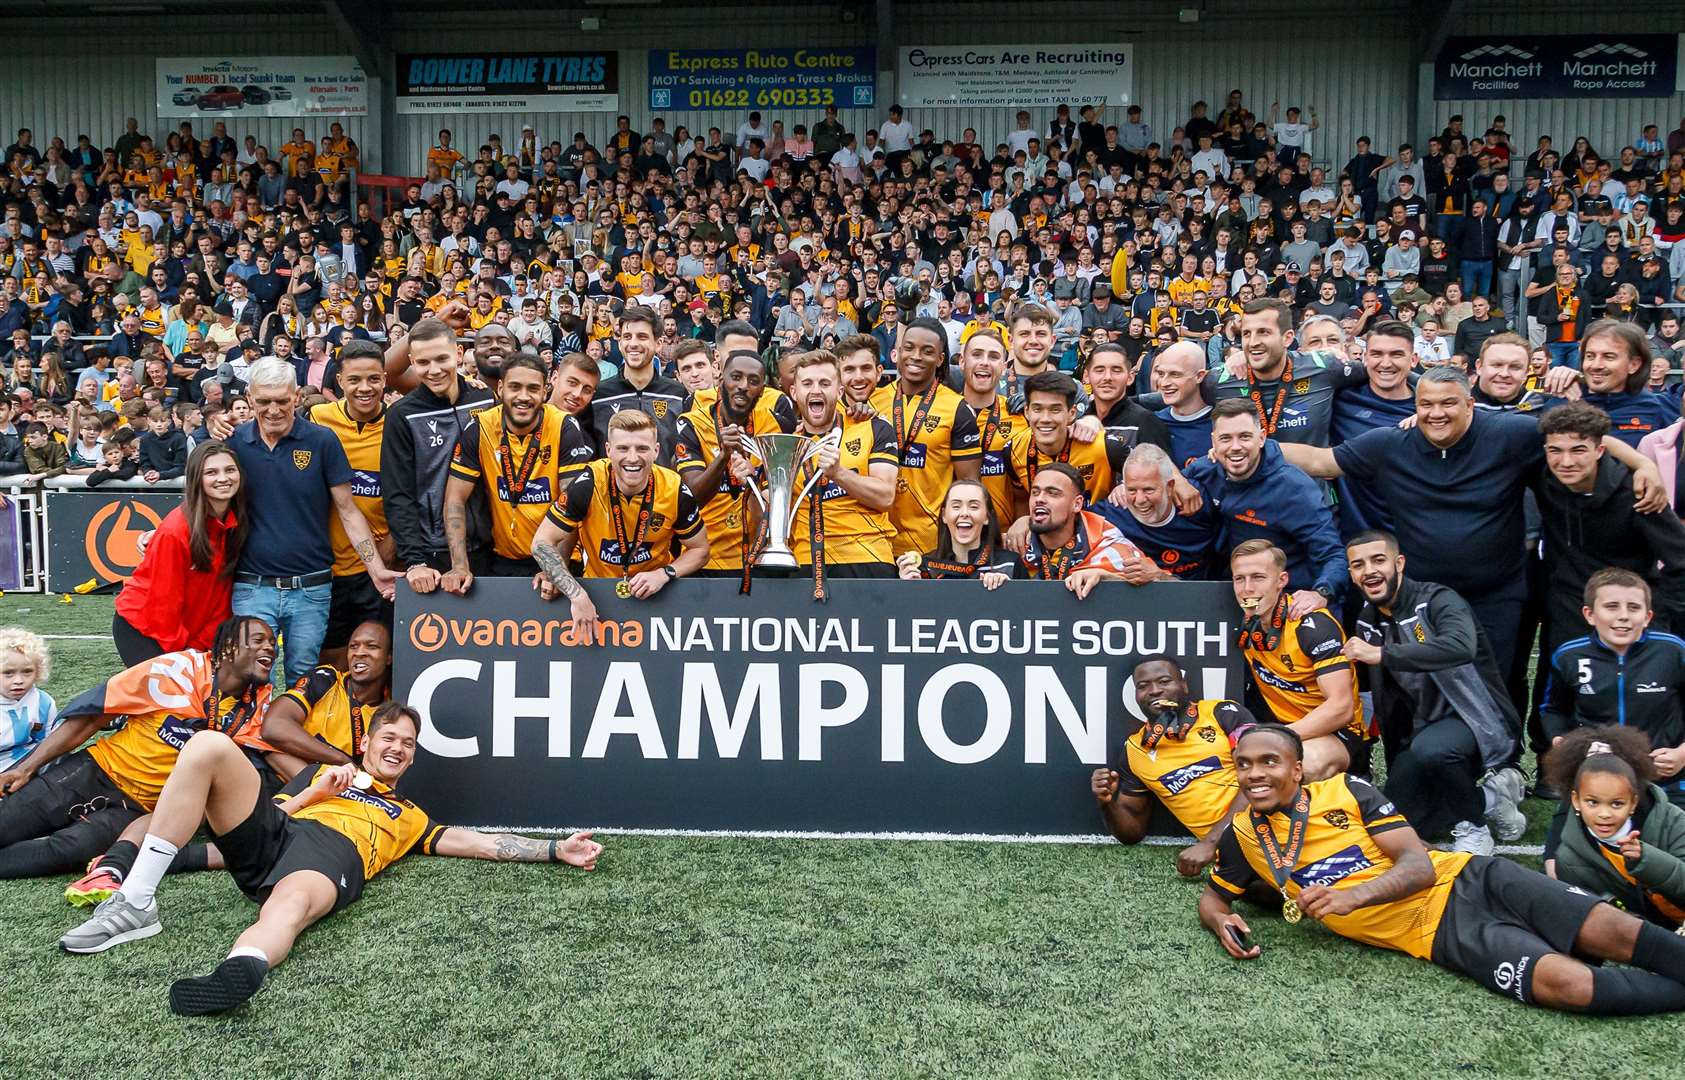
777, 560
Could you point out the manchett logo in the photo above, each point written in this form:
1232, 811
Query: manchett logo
1611, 49
1498, 50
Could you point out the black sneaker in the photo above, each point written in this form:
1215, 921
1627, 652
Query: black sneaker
233, 983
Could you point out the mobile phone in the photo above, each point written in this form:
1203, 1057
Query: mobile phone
1241, 939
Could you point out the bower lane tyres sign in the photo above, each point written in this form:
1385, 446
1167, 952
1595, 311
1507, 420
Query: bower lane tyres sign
930, 708
95, 535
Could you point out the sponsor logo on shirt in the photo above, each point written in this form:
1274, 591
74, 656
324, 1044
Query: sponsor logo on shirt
385, 806
1265, 675
536, 491
1336, 867
175, 731
914, 457
1650, 688
365, 484
1177, 781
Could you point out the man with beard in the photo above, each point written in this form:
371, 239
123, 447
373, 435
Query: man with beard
843, 530
416, 447
358, 420
1179, 757
1340, 853
493, 344
627, 515
1047, 437
1449, 732
1068, 543
1615, 360
638, 386
710, 435
861, 370
302, 857
935, 434
522, 453
1109, 378
982, 361
54, 821
1297, 665
1258, 494
322, 719
1175, 546
1454, 483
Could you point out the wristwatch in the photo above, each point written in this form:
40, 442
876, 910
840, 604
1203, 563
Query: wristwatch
672, 574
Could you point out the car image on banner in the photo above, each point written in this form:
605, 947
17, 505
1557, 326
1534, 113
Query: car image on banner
264, 86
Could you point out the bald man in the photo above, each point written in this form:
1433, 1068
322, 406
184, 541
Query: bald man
1177, 372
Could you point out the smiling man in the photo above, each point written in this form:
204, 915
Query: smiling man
1068, 543
1339, 853
302, 856
1050, 406
55, 822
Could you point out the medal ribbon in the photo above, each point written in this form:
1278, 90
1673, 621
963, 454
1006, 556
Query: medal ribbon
238, 716
1032, 460
1262, 637
816, 538
1170, 720
1281, 859
644, 510
991, 423
357, 722
1269, 422
985, 557
904, 437
515, 479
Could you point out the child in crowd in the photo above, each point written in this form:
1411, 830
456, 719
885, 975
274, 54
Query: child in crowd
27, 712
43, 456
190, 418
163, 449
115, 460
1625, 841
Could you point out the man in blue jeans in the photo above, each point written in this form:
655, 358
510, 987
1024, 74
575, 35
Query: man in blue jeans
1477, 248
296, 475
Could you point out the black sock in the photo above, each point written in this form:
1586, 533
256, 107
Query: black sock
120, 859
1624, 992
1659, 951
191, 858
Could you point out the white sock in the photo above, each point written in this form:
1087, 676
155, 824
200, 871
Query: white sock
154, 860
250, 950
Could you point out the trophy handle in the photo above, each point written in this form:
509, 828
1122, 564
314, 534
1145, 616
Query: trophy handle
832, 439
752, 449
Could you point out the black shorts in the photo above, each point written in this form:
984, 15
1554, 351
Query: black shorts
269, 845
1357, 752
498, 566
1502, 918
355, 601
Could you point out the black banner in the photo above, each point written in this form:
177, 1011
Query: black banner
1557, 66
513, 82
93, 536
933, 707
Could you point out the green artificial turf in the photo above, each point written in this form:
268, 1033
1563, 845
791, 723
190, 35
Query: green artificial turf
763, 958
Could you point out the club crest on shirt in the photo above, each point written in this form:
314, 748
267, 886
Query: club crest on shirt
853, 446
660, 410
1338, 818
1303, 386
301, 460
1208, 735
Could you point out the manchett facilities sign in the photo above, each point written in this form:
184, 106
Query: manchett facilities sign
1015, 76
1557, 66
894, 707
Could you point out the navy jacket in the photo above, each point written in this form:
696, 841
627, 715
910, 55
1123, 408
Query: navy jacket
1633, 416
1281, 504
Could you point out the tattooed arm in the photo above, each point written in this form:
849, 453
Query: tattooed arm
357, 531
550, 548
460, 578
577, 850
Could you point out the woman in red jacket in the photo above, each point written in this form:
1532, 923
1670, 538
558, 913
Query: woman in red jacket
184, 585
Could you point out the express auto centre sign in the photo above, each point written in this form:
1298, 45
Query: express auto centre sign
931, 708
1557, 66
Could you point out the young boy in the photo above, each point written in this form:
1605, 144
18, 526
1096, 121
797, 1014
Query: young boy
114, 463
163, 449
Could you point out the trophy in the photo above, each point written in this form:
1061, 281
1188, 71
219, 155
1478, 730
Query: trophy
782, 458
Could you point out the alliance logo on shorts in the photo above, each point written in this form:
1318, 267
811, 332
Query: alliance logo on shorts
385, 806
1507, 976
1336, 867
1177, 781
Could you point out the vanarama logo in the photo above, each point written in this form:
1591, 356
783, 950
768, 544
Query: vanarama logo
113, 538
430, 632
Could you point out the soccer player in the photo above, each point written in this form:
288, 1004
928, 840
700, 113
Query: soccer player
626, 514
1180, 757
1261, 496
302, 856
358, 420
935, 434
639, 385
708, 437
1066, 542
573, 382
1046, 437
862, 367
1338, 852
1297, 664
982, 360
524, 451
53, 822
1176, 546
1448, 729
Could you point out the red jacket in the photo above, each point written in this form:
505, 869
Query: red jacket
169, 601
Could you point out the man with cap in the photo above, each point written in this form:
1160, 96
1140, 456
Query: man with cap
1403, 258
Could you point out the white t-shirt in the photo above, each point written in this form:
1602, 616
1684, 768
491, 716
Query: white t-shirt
756, 167
1019, 139
897, 137
517, 188
747, 131
1292, 134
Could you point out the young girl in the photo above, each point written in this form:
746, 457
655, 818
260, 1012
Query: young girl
27, 712
1626, 841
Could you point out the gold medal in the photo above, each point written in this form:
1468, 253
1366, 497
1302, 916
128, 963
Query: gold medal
1250, 603
362, 781
1290, 910
623, 589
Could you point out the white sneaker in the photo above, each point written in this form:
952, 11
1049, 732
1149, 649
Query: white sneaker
1472, 838
1504, 789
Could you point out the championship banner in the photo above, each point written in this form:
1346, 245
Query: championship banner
94, 536
929, 707
261, 86
1015, 76
1557, 66
762, 78
510, 82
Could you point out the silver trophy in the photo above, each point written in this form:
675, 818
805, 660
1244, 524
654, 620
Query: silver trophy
781, 458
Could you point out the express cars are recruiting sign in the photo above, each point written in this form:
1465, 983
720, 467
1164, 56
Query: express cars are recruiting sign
891, 708
1557, 66
509, 82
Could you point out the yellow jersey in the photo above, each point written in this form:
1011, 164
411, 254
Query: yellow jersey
530, 471
361, 440
331, 714
932, 430
853, 534
1192, 776
382, 826
1287, 655
996, 425
593, 504
697, 441
1100, 462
